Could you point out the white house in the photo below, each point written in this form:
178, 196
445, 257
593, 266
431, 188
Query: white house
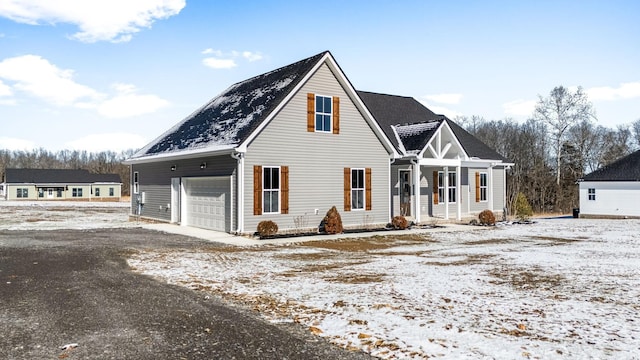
613, 190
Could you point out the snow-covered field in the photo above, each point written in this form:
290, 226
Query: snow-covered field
51, 215
557, 289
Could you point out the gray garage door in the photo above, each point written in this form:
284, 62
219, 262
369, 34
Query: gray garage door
206, 202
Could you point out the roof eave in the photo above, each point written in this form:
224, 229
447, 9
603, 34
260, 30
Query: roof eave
181, 155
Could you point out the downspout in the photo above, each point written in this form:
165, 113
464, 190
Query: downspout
239, 156
416, 189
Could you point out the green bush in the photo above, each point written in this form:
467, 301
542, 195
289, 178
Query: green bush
267, 228
399, 222
333, 222
486, 217
523, 209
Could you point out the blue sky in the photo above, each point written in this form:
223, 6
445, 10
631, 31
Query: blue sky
114, 74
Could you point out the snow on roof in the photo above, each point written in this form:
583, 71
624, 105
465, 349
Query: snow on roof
229, 118
413, 137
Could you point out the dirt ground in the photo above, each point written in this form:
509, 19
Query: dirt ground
73, 288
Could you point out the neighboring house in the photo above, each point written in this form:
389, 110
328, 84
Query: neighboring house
60, 184
288, 145
613, 190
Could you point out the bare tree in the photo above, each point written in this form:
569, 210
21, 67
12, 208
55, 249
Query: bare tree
635, 128
560, 111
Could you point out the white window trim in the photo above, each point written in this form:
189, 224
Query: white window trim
363, 189
272, 190
446, 187
591, 195
315, 114
485, 187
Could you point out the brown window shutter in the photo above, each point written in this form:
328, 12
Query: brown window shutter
367, 188
347, 189
336, 115
257, 190
477, 186
284, 189
311, 112
435, 187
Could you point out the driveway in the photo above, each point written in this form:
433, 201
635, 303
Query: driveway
73, 287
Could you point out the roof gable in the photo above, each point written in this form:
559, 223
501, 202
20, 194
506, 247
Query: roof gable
624, 169
411, 126
57, 176
230, 118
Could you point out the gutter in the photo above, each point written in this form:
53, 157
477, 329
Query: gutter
239, 156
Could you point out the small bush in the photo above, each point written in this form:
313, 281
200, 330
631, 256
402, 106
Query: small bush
267, 228
523, 209
486, 217
333, 222
399, 222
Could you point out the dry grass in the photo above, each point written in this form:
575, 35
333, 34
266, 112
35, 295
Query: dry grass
527, 278
468, 260
377, 242
356, 278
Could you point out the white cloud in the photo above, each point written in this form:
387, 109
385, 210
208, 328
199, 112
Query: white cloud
445, 98
97, 20
39, 78
107, 142
519, 107
227, 60
624, 91
216, 63
251, 56
5, 90
440, 110
8, 143
127, 103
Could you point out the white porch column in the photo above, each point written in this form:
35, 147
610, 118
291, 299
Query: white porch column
459, 191
416, 191
446, 192
490, 187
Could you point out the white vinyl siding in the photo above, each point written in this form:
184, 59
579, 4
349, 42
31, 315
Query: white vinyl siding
613, 199
316, 161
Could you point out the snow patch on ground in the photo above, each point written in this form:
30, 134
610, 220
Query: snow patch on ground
557, 289
52, 215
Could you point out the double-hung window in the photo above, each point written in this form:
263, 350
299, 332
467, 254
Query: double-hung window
97, 191
22, 193
323, 113
271, 189
357, 189
445, 186
591, 194
111, 192
483, 186
76, 192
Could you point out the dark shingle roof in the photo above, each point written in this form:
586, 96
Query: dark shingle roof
416, 124
57, 176
229, 118
623, 169
473, 146
391, 110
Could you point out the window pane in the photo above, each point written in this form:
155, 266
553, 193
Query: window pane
319, 104
275, 178
319, 122
357, 199
327, 105
266, 174
327, 123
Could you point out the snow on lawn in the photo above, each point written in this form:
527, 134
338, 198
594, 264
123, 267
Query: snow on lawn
557, 289
52, 215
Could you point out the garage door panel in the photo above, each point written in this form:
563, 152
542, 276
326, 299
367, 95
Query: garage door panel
206, 202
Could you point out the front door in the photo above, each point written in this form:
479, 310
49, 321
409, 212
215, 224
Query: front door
405, 192
49, 193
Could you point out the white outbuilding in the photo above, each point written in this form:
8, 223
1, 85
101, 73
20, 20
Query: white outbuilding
612, 191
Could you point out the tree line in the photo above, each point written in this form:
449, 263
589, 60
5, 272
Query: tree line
559, 144
106, 162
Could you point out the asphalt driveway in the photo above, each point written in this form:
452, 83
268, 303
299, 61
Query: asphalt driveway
73, 287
